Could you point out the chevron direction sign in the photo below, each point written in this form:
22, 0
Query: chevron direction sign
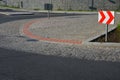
106, 17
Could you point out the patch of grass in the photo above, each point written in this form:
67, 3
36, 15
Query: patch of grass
37, 9
59, 9
118, 26
118, 31
6, 6
14, 7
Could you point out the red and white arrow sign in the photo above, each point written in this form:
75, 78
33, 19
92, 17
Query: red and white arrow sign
106, 17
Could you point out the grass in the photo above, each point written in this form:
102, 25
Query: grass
8, 7
118, 26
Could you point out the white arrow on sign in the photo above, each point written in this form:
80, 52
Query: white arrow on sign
106, 17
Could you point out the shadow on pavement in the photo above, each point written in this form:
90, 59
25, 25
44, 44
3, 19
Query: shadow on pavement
17, 65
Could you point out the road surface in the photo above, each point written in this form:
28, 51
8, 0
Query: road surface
21, 60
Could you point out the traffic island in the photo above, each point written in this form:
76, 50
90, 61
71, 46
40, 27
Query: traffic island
68, 29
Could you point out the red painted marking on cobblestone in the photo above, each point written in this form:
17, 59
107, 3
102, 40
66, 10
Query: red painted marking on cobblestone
31, 35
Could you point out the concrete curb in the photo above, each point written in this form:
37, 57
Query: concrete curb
4, 13
17, 13
103, 33
100, 44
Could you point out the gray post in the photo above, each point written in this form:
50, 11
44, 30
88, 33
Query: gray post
48, 14
92, 5
106, 36
50, 2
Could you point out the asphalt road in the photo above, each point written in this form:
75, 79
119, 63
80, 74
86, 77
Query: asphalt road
20, 65
17, 65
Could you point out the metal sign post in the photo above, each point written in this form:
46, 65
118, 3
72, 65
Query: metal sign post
48, 7
106, 36
106, 17
48, 14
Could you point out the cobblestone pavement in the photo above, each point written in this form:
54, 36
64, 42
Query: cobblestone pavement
71, 27
23, 58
